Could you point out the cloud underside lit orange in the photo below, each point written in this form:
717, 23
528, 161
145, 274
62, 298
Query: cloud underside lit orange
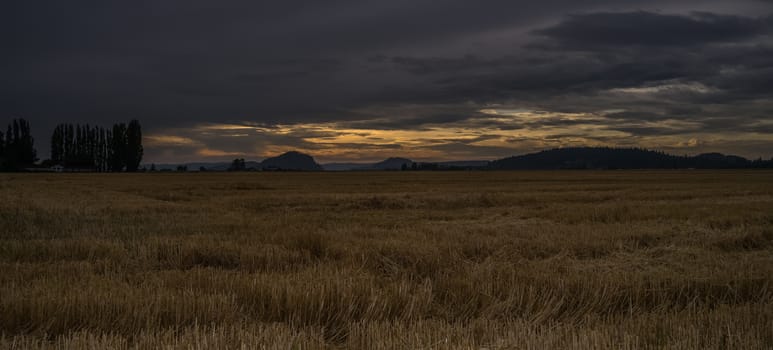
493, 133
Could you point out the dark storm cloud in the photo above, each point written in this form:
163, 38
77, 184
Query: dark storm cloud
249, 59
387, 65
653, 29
722, 60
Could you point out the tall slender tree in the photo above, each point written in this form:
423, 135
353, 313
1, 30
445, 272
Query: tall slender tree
118, 148
10, 161
57, 144
16, 131
134, 149
2, 151
69, 143
102, 151
109, 151
18, 146
8, 137
27, 153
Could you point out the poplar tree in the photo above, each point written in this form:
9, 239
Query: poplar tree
26, 144
2, 151
118, 147
17, 145
57, 144
134, 149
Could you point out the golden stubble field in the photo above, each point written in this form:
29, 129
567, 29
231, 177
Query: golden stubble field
453, 260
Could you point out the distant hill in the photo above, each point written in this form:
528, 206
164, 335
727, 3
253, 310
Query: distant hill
715, 160
393, 163
291, 161
619, 158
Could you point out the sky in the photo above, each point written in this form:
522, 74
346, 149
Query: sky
363, 80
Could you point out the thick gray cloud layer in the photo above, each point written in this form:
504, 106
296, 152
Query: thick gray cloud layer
647, 68
589, 31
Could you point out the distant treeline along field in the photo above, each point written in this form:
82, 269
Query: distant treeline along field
74, 147
86, 148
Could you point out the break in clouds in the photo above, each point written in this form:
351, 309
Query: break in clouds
429, 80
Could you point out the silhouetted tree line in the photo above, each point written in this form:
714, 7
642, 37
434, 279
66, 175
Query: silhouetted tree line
82, 146
238, 164
429, 166
421, 166
17, 146
74, 145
